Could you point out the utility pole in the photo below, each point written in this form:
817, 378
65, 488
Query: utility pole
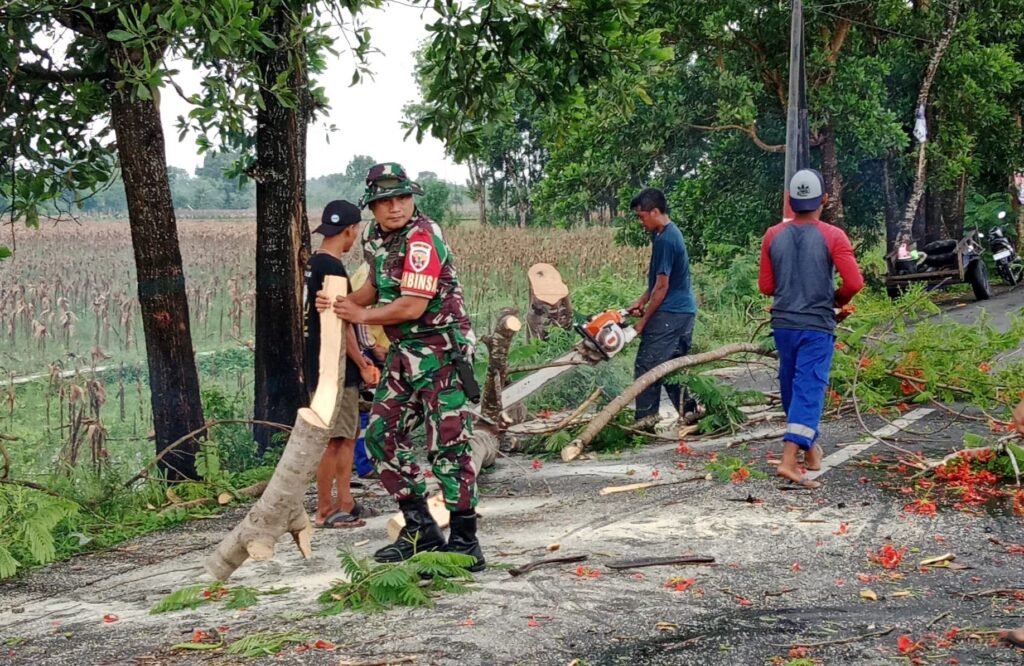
798, 148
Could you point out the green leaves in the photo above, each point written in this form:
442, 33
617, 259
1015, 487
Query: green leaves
373, 588
29, 518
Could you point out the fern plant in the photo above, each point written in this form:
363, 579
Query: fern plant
373, 588
27, 521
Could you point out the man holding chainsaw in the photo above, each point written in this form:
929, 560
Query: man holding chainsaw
667, 309
799, 260
428, 377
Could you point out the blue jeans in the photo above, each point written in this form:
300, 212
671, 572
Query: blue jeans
666, 336
363, 463
805, 359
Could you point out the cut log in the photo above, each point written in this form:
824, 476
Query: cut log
549, 301
485, 452
279, 510
576, 447
1018, 418
498, 344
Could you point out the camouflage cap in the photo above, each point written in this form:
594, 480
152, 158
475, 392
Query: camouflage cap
387, 180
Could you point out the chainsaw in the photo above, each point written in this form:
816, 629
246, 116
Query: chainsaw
604, 335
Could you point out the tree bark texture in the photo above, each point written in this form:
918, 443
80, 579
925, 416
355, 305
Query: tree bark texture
282, 234
498, 343
892, 212
576, 447
834, 209
549, 301
173, 379
906, 234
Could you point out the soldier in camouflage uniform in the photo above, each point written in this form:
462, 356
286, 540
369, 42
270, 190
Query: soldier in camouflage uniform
419, 302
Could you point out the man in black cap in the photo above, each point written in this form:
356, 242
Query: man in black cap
340, 229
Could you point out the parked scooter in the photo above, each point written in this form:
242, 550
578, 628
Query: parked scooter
1008, 264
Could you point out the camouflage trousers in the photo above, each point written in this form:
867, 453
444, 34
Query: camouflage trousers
424, 391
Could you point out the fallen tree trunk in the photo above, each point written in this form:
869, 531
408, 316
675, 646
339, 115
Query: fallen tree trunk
576, 447
279, 509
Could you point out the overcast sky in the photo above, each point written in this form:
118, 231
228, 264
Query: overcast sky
367, 116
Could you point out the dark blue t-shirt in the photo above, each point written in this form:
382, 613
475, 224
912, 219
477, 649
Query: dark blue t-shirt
669, 257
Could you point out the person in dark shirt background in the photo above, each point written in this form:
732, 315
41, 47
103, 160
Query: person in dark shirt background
799, 260
340, 229
667, 310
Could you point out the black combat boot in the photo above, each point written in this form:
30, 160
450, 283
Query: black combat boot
419, 534
463, 538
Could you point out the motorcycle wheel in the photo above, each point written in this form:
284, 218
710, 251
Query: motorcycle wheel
977, 277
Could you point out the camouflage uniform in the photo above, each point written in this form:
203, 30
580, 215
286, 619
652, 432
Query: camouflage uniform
420, 384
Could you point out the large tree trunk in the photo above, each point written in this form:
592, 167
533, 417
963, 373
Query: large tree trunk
476, 179
282, 234
833, 177
173, 380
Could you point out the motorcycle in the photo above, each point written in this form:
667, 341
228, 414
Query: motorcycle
1008, 264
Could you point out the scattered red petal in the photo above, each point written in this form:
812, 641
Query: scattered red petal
680, 465
796, 567
798, 652
468, 622
536, 464
743, 601
321, 644
532, 623
655, 474
684, 449
677, 584
587, 572
888, 556
110, 618
740, 475
843, 529
907, 645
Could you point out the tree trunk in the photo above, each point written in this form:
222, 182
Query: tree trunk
498, 344
282, 235
576, 447
549, 301
280, 509
833, 177
932, 213
173, 379
906, 232
892, 213
476, 179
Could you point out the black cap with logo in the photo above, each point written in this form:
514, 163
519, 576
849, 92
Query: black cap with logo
338, 215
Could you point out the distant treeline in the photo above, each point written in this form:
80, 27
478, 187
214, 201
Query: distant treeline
211, 188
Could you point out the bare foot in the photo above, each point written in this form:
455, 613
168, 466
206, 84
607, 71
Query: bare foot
812, 458
1014, 637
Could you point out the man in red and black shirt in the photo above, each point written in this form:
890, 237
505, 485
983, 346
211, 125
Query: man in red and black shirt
799, 260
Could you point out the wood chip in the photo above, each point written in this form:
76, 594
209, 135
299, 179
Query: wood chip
941, 559
665, 626
552, 547
868, 595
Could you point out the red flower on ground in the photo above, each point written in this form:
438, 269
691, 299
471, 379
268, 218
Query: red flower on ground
840, 346
587, 572
684, 449
796, 567
907, 645
655, 474
109, 618
536, 464
740, 475
888, 556
677, 584
865, 362
843, 529
921, 506
984, 367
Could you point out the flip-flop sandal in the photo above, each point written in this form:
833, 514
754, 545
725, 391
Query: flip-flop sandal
341, 520
802, 484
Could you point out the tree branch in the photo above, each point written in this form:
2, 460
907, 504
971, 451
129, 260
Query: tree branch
33, 72
749, 131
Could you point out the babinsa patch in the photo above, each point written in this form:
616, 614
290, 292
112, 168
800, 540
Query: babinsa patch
419, 255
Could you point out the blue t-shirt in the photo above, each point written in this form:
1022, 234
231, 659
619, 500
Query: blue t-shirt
669, 257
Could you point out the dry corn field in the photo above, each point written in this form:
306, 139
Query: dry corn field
68, 296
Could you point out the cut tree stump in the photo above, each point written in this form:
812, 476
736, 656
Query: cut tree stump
549, 301
280, 510
498, 344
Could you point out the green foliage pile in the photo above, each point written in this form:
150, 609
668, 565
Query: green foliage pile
372, 588
885, 362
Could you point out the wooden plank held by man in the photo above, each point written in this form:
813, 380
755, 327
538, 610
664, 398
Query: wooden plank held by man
280, 509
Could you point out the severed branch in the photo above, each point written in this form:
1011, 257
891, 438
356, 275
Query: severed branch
144, 472
841, 641
568, 420
577, 446
498, 344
